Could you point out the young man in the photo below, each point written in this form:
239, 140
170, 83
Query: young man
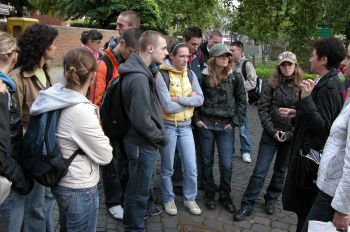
146, 134
126, 19
114, 174
237, 49
215, 37
193, 38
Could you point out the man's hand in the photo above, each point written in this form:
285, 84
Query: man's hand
306, 87
201, 124
287, 112
340, 220
2, 87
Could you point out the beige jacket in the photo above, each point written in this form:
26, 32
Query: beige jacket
28, 88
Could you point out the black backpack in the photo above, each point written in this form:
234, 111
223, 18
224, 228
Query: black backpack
253, 94
41, 156
109, 65
114, 119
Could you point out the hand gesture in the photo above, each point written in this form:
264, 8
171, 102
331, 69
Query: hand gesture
287, 112
201, 124
306, 87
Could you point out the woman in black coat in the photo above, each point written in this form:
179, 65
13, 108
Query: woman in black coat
320, 103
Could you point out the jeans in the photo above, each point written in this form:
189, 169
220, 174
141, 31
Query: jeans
182, 138
321, 210
223, 139
38, 209
244, 136
115, 177
267, 149
142, 164
78, 208
12, 212
177, 177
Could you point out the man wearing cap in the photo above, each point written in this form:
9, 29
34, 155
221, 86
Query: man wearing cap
250, 78
221, 112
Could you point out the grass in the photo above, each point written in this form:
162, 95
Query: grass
265, 69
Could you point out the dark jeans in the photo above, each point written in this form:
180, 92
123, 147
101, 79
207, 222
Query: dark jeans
267, 149
223, 139
139, 192
115, 176
321, 210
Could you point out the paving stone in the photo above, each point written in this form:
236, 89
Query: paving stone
261, 220
261, 228
278, 230
280, 225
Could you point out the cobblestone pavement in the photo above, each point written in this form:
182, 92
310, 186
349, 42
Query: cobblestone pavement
217, 220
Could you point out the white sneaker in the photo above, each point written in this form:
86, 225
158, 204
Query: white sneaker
170, 208
117, 212
246, 157
193, 207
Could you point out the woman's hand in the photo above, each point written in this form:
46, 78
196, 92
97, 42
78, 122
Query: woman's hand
228, 126
3, 87
340, 220
175, 99
306, 87
192, 94
201, 124
287, 112
279, 136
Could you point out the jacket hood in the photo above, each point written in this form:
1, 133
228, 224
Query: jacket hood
8, 81
169, 67
134, 65
55, 98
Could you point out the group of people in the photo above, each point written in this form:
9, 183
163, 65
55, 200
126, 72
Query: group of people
180, 100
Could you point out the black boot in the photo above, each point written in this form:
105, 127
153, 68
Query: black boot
270, 207
243, 213
227, 203
209, 200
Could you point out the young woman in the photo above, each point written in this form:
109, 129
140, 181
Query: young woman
12, 209
37, 45
78, 127
179, 92
282, 90
91, 41
222, 110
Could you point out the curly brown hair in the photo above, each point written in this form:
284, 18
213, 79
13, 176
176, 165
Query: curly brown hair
275, 77
214, 77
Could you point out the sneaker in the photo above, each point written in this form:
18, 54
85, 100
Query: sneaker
156, 211
193, 207
117, 212
246, 157
170, 208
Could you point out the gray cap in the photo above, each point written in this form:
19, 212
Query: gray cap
287, 56
219, 49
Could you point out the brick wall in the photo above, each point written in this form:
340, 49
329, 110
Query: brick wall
69, 38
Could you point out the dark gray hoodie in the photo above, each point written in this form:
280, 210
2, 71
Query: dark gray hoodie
142, 104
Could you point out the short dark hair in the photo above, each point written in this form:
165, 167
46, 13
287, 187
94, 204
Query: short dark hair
149, 37
131, 37
215, 33
132, 16
238, 44
192, 32
90, 35
332, 48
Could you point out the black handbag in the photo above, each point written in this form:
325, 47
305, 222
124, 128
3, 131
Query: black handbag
308, 161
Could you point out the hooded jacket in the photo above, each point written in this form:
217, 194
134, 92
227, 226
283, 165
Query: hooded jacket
78, 126
141, 104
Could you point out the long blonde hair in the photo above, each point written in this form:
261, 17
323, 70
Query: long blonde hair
275, 78
215, 78
8, 45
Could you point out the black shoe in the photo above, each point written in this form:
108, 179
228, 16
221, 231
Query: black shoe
156, 211
226, 201
209, 200
177, 190
244, 212
270, 207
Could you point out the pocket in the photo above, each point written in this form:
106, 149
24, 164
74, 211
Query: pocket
67, 200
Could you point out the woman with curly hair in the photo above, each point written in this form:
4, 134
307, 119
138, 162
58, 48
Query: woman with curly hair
222, 111
91, 41
37, 46
282, 90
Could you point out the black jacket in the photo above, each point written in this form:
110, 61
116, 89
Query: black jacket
284, 95
225, 102
142, 104
315, 115
203, 54
10, 146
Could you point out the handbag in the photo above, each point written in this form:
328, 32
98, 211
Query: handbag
308, 161
5, 188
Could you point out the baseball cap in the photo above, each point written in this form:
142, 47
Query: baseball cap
219, 49
287, 56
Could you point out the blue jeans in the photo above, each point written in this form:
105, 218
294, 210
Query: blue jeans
223, 139
182, 138
12, 212
142, 164
244, 136
267, 149
38, 209
78, 208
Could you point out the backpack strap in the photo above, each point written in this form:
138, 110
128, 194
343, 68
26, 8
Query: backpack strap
244, 69
71, 158
109, 65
